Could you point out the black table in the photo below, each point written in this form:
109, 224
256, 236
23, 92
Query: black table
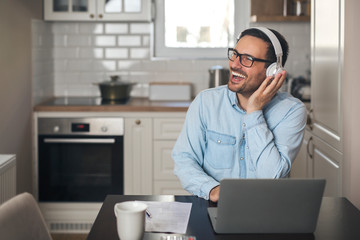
338, 220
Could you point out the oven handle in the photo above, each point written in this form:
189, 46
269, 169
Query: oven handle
79, 140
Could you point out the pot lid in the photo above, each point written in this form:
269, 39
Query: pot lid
114, 82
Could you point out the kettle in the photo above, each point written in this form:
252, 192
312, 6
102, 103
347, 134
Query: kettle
218, 76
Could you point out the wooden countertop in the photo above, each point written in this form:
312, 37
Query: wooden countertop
133, 105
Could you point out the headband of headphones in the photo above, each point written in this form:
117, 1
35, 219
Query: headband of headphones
274, 41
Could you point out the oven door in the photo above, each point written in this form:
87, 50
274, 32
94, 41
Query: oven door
78, 168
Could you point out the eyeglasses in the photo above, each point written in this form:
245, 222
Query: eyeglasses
245, 59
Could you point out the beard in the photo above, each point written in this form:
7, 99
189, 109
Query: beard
243, 89
245, 86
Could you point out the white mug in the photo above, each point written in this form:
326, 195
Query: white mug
130, 218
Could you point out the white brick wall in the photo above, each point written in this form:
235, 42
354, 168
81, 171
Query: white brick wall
116, 53
140, 53
136, 28
43, 64
70, 57
116, 28
129, 41
105, 41
91, 28
91, 52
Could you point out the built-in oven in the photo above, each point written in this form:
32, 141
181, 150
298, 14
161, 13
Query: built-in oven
80, 159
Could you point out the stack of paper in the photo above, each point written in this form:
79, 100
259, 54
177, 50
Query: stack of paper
171, 217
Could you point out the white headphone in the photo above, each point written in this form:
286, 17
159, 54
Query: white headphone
277, 66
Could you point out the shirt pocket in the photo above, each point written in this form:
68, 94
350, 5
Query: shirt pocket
220, 149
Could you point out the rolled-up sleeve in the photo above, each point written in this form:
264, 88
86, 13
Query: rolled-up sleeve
272, 149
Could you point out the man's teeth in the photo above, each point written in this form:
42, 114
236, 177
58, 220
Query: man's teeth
237, 75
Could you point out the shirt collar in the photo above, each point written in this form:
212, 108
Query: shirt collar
232, 97
234, 100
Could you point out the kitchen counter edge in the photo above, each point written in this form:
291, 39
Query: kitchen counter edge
134, 105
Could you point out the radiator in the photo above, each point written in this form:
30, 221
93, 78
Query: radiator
7, 177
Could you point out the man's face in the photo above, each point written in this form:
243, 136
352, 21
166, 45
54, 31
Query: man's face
244, 80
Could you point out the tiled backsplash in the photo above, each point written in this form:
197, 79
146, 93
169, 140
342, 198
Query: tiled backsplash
42, 61
68, 58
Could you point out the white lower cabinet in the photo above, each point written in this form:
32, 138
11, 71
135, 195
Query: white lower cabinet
327, 165
166, 131
138, 175
302, 165
148, 166
169, 188
317, 159
165, 182
163, 163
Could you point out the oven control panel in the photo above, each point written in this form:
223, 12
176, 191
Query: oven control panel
81, 126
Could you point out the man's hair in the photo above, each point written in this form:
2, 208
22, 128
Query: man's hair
270, 55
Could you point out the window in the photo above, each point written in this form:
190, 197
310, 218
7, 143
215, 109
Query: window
198, 28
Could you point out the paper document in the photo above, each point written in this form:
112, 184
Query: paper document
172, 217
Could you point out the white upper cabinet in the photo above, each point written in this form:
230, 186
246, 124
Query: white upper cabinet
97, 10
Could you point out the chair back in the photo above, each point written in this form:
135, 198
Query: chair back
20, 218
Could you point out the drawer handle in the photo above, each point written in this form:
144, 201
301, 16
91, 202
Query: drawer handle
92, 16
138, 122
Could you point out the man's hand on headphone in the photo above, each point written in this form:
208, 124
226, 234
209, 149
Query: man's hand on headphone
265, 92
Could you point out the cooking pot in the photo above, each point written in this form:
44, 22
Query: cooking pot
218, 76
114, 89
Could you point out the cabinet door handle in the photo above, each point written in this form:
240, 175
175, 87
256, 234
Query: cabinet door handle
309, 118
307, 147
92, 16
138, 122
100, 16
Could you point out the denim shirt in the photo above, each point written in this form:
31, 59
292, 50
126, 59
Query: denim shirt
219, 140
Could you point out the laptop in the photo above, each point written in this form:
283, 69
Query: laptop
267, 205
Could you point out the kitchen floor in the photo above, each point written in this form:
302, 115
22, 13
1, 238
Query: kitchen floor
58, 236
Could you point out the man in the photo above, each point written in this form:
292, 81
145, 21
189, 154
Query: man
246, 129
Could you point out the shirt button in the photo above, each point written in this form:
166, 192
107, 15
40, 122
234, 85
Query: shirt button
218, 141
244, 124
247, 147
241, 158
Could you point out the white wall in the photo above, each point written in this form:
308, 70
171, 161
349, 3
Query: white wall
15, 84
351, 99
85, 52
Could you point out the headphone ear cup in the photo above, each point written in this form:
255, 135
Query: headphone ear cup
272, 70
